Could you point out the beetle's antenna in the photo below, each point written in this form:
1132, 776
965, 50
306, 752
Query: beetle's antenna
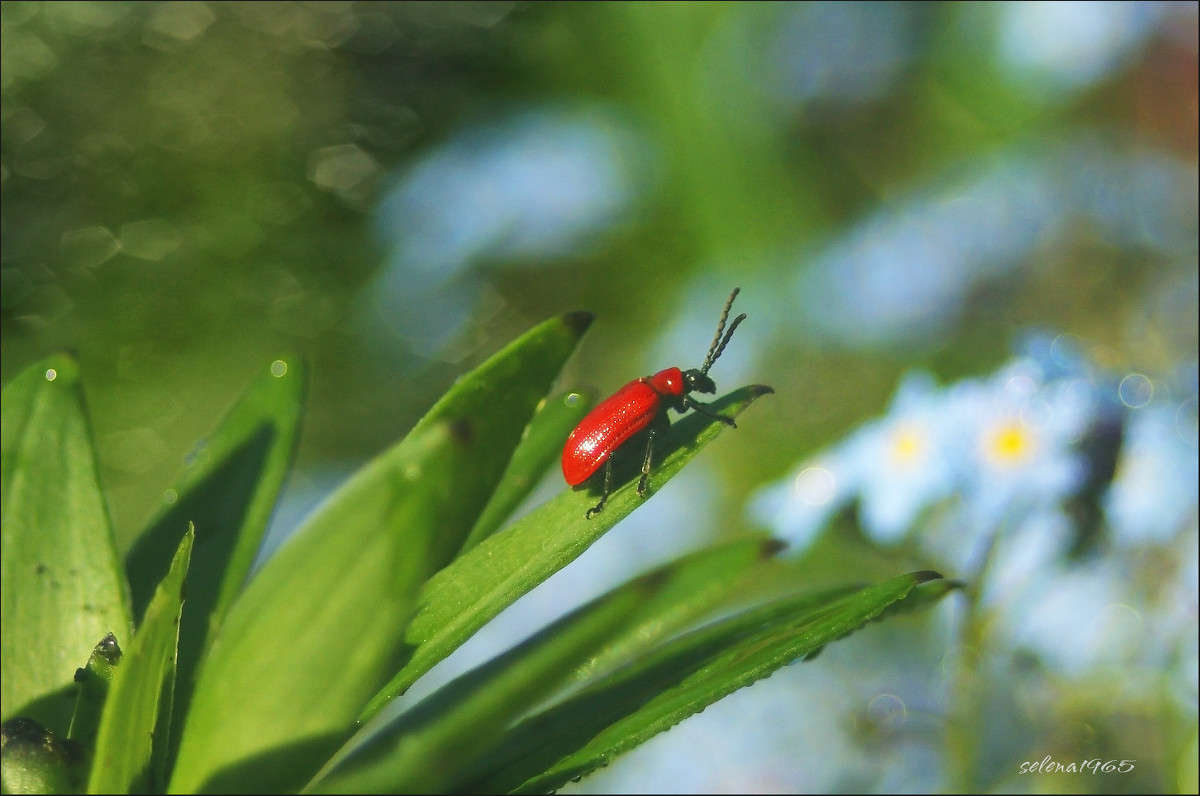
725, 341
719, 342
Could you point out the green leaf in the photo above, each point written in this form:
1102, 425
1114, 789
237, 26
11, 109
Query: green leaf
320, 627
62, 583
466, 717
94, 681
227, 492
493, 405
484, 581
415, 755
135, 725
539, 448
677, 680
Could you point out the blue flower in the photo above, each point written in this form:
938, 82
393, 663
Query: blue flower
1018, 439
1004, 446
1154, 494
900, 460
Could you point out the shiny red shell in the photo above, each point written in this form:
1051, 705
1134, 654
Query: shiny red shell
616, 419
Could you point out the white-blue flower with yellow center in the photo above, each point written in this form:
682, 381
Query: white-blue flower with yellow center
901, 460
894, 466
1018, 440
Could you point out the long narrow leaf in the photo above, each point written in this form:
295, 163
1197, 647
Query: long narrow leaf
135, 723
493, 405
314, 630
62, 582
467, 716
541, 445
419, 754
336, 598
678, 680
227, 493
480, 584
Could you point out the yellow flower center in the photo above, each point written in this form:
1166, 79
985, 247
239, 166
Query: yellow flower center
1009, 444
908, 445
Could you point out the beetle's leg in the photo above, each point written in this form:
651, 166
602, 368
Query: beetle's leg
692, 403
646, 461
594, 510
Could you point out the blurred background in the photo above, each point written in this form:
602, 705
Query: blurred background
956, 198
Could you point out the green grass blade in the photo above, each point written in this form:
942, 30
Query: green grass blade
483, 582
320, 627
135, 724
541, 446
677, 680
227, 493
467, 716
62, 582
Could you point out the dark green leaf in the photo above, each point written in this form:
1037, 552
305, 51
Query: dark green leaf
320, 627
541, 446
464, 718
227, 492
63, 586
677, 680
492, 406
483, 582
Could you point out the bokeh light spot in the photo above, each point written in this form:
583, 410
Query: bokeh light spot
1135, 390
815, 486
887, 711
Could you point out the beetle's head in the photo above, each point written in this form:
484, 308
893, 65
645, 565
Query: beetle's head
696, 380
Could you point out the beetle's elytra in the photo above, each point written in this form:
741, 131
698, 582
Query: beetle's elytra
641, 405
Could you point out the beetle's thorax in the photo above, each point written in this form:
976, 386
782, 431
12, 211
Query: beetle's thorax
668, 383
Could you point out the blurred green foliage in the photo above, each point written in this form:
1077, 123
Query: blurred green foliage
167, 213
191, 189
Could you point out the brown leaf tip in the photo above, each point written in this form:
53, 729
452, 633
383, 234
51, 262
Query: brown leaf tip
578, 321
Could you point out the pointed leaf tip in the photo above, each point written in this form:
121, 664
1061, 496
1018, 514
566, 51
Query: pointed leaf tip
578, 321
772, 548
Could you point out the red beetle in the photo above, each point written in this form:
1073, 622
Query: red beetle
640, 405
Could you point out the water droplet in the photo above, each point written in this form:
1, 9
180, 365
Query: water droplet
170, 496
279, 368
51, 374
